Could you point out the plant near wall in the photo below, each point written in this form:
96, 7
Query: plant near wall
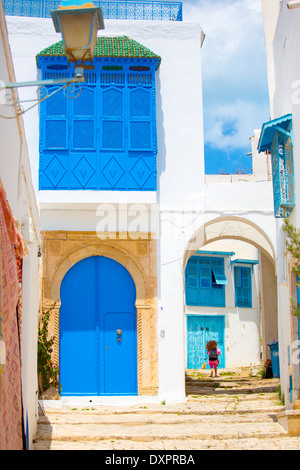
47, 370
293, 247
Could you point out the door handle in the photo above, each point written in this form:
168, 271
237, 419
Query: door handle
119, 335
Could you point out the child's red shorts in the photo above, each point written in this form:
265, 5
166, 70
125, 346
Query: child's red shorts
213, 363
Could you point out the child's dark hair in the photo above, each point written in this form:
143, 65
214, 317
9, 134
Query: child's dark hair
211, 345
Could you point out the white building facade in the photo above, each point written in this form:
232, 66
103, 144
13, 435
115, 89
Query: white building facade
142, 236
280, 137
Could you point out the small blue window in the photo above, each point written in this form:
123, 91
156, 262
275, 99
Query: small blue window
205, 282
291, 388
298, 289
243, 290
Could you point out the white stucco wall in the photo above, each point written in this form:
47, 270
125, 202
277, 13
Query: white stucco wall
184, 202
15, 174
282, 40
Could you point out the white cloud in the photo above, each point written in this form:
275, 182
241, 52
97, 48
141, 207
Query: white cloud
227, 125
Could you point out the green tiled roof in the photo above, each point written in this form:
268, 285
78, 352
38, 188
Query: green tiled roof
121, 46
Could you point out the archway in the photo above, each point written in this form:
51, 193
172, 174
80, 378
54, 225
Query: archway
230, 228
246, 231
63, 250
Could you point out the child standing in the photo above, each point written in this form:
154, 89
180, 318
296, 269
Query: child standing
213, 357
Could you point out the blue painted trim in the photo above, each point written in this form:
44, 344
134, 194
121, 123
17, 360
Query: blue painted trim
221, 253
244, 261
291, 388
27, 432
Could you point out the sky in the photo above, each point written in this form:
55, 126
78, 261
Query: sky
234, 79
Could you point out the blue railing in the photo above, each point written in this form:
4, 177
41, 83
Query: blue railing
112, 10
283, 176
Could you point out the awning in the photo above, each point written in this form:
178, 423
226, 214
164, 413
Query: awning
204, 252
244, 261
269, 129
220, 278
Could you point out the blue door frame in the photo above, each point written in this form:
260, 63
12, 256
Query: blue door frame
200, 330
98, 340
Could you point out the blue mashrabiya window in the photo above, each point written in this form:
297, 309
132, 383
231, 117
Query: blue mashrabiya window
205, 281
243, 286
105, 139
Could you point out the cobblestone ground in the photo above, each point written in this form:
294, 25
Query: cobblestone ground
231, 412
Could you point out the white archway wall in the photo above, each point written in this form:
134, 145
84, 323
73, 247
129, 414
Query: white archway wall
269, 304
231, 234
256, 229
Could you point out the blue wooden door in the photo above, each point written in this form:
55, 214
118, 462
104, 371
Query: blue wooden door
98, 342
200, 330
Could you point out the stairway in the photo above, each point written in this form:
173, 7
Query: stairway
232, 411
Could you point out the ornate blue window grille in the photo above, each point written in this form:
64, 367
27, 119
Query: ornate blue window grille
205, 281
112, 10
283, 175
105, 139
276, 137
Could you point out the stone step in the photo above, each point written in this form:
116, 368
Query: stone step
150, 431
209, 381
200, 385
237, 380
220, 389
271, 443
236, 413
134, 419
197, 405
202, 421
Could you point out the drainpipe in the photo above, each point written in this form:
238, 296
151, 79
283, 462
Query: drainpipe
293, 4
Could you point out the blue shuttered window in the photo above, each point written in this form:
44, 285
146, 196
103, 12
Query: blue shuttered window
277, 138
243, 288
205, 282
105, 139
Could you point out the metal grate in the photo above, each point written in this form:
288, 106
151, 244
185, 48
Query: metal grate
283, 175
111, 10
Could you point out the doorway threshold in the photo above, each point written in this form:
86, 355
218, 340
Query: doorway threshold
90, 401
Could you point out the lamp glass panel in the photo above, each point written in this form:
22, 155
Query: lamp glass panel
76, 31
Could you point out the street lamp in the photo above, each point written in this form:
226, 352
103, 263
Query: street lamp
78, 23
78, 27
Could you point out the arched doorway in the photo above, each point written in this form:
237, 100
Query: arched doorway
252, 324
98, 329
